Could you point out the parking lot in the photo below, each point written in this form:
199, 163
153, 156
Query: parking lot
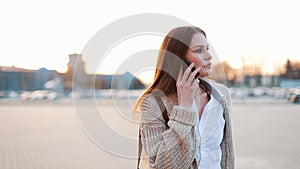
47, 134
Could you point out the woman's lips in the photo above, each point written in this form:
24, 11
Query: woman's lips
208, 66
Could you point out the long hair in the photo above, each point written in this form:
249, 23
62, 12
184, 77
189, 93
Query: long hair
170, 60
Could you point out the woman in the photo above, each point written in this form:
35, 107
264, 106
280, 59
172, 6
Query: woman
197, 131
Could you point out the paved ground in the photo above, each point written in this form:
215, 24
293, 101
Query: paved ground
46, 135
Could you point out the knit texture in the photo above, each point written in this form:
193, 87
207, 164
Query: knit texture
175, 147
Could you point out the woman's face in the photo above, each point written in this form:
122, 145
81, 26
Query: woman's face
198, 54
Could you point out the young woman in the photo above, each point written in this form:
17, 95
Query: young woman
197, 130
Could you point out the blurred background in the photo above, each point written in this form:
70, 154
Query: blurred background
46, 110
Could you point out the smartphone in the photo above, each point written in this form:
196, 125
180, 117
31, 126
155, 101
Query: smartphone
193, 68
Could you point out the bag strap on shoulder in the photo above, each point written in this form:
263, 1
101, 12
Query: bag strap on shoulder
162, 109
166, 118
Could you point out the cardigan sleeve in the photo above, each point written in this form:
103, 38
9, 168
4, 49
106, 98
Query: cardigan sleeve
228, 100
228, 155
169, 148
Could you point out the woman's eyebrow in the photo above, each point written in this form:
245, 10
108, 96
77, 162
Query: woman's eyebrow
201, 46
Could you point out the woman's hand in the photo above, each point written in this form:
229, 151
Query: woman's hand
187, 86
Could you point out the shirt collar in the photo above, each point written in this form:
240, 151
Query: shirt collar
218, 95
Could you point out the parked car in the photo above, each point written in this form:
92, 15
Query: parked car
290, 92
39, 95
295, 98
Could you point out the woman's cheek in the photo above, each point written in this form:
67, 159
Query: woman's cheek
200, 62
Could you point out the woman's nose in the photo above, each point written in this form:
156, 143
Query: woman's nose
208, 56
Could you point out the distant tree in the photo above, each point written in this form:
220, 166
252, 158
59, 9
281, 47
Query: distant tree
288, 69
279, 70
252, 70
223, 72
295, 65
218, 73
292, 70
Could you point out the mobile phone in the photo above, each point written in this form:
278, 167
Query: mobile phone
193, 68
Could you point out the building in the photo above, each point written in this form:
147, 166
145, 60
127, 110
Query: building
76, 76
19, 79
121, 81
83, 80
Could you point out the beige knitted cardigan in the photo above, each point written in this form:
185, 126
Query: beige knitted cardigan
175, 147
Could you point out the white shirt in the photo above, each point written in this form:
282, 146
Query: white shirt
209, 130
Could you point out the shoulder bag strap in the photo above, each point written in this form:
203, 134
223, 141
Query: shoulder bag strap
166, 118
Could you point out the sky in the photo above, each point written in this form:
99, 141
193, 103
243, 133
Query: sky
37, 34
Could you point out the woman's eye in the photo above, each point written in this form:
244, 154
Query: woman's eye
198, 51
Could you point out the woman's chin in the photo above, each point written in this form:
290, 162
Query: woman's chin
206, 72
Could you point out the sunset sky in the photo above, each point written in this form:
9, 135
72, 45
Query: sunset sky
37, 34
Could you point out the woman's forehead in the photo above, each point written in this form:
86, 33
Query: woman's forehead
198, 39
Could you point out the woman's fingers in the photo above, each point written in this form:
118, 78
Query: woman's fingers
195, 83
180, 74
187, 73
187, 86
193, 74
